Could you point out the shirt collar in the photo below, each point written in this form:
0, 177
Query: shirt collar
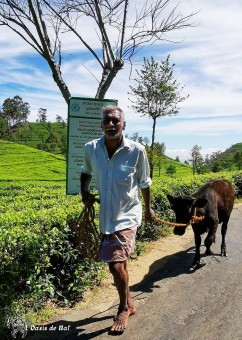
124, 143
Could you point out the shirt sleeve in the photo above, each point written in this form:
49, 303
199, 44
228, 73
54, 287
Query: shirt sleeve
87, 166
143, 170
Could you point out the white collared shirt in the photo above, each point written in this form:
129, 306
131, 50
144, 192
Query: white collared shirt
118, 181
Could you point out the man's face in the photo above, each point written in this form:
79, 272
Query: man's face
113, 125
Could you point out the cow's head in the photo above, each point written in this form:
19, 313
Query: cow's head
184, 209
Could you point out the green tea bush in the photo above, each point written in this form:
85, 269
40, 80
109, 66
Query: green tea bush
178, 186
39, 257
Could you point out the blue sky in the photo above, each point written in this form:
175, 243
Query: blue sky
208, 61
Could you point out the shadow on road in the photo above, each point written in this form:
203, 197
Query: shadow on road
166, 267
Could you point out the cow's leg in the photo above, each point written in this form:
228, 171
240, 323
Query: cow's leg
223, 232
196, 261
210, 239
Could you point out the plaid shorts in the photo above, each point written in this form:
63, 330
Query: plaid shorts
118, 246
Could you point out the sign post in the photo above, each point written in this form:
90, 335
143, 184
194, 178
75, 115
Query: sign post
84, 125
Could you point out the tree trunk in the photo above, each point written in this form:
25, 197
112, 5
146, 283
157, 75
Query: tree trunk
152, 148
194, 166
56, 73
109, 73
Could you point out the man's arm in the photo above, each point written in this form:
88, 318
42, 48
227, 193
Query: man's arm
87, 197
149, 213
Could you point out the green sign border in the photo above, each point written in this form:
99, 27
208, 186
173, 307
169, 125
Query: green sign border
115, 101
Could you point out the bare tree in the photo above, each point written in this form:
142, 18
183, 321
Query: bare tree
122, 29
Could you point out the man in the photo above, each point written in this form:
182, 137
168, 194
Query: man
120, 169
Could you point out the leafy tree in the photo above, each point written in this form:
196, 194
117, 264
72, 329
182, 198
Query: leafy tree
122, 28
158, 153
15, 111
213, 161
18, 132
5, 131
186, 162
63, 145
42, 115
196, 158
217, 166
177, 159
53, 142
171, 170
157, 93
59, 119
136, 138
41, 135
238, 159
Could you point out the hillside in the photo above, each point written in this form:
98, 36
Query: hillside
229, 153
20, 162
37, 135
226, 160
182, 170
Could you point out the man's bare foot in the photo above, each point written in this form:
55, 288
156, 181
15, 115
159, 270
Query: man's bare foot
121, 320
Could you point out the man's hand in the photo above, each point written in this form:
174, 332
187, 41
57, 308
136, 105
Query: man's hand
149, 215
88, 198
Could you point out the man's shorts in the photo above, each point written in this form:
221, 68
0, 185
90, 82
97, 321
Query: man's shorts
118, 246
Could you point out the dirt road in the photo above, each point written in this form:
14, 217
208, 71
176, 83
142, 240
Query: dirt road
172, 303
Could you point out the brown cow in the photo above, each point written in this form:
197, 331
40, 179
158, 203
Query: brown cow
214, 200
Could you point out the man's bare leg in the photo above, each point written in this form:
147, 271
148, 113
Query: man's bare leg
126, 307
129, 299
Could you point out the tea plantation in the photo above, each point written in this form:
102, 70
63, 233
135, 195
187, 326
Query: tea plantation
39, 257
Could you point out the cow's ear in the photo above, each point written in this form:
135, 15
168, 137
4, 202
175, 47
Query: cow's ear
171, 199
200, 202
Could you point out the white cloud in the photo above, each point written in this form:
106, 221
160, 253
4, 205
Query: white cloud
208, 63
205, 127
185, 154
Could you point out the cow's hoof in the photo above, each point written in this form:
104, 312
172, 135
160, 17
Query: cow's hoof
224, 253
209, 252
195, 266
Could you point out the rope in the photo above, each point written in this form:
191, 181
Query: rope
195, 219
88, 236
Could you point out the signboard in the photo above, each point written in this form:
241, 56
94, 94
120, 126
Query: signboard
84, 125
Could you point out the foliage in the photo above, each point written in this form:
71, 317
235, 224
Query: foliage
157, 93
136, 138
171, 170
42, 115
177, 159
38, 252
219, 160
39, 256
14, 111
178, 186
5, 131
197, 159
19, 162
51, 137
163, 162
238, 159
